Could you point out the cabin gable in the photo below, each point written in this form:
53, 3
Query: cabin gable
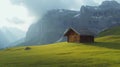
72, 36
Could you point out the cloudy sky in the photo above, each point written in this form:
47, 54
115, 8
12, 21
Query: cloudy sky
22, 13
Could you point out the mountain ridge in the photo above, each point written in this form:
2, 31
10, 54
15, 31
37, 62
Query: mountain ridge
51, 27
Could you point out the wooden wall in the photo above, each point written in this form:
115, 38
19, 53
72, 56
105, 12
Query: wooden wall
76, 38
86, 39
73, 37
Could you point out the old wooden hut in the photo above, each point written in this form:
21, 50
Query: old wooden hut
79, 35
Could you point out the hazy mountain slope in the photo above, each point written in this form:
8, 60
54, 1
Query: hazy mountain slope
14, 34
3, 40
51, 28
9, 36
53, 24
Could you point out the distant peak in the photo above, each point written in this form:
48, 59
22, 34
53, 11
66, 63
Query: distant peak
111, 3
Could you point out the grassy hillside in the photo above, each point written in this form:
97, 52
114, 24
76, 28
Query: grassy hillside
111, 31
104, 53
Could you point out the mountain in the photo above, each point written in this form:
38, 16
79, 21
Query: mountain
9, 36
14, 33
109, 4
3, 40
51, 27
16, 43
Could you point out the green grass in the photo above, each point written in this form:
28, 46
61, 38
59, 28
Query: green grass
111, 31
105, 52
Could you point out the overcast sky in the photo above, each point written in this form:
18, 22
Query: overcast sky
21, 13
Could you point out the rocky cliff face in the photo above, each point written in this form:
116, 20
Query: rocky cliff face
51, 27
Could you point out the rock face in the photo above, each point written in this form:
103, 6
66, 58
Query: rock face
51, 27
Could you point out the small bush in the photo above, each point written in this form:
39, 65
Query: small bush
27, 48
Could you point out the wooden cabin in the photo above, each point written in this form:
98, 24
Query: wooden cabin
79, 36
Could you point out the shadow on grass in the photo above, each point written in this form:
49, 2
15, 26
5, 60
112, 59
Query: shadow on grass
109, 45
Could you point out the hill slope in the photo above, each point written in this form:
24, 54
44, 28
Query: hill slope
111, 31
104, 53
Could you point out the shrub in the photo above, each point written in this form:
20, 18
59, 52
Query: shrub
27, 48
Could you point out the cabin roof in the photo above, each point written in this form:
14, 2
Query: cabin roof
83, 31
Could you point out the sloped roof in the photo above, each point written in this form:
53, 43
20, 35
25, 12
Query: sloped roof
83, 31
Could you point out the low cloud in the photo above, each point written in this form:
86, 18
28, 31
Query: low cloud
15, 20
39, 7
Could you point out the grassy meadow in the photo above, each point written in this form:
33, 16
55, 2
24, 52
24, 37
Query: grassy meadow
105, 52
